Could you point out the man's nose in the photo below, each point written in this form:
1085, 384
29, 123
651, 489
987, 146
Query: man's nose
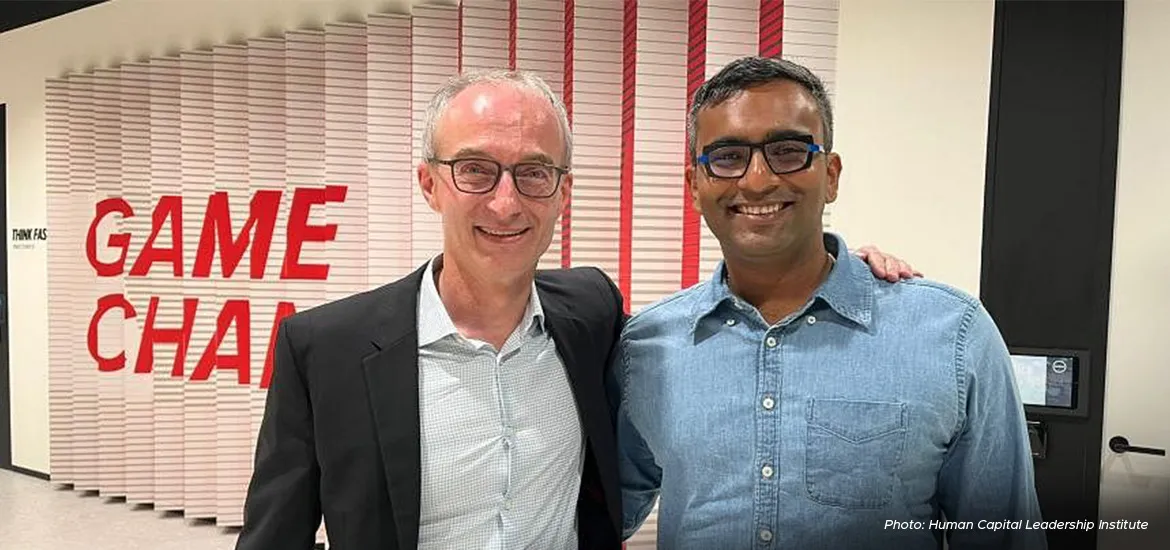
758, 177
505, 200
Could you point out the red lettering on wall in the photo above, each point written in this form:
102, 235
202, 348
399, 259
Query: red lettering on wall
152, 335
233, 312
299, 231
217, 229
170, 207
116, 240
104, 304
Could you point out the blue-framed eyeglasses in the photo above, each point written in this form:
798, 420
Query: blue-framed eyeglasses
783, 156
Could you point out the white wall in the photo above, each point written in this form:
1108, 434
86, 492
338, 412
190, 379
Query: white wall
1135, 487
913, 90
101, 35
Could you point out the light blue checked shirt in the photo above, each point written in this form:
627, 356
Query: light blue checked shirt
502, 445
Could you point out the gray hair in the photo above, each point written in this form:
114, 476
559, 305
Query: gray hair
521, 79
747, 72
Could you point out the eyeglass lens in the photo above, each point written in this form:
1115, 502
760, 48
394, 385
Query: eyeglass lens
481, 175
784, 156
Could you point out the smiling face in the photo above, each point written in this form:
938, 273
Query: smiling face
763, 216
500, 233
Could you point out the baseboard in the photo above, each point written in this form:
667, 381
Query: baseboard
26, 471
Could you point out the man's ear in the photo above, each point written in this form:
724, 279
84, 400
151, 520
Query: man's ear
834, 170
566, 190
428, 184
692, 186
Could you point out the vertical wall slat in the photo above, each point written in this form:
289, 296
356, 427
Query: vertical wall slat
134, 105
433, 58
62, 262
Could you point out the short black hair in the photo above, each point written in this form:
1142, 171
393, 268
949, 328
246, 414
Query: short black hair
747, 72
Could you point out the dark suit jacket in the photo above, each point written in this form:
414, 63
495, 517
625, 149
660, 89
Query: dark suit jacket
340, 434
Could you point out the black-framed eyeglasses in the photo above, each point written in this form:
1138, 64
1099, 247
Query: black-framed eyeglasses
783, 156
478, 176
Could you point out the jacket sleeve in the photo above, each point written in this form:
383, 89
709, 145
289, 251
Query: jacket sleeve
282, 510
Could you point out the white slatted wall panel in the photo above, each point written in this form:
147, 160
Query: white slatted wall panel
732, 32
810, 37
233, 408
134, 172
597, 131
485, 34
433, 60
197, 159
540, 48
166, 175
659, 145
83, 193
305, 148
266, 172
66, 267
389, 148
111, 400
346, 157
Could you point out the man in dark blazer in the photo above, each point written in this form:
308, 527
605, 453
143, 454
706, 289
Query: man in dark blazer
463, 406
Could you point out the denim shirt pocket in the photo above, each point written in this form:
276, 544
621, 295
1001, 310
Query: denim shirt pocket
853, 451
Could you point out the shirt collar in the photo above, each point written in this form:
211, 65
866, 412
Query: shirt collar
434, 323
848, 290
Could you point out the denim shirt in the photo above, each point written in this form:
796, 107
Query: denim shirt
856, 422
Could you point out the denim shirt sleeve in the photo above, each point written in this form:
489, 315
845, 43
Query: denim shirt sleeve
988, 472
641, 477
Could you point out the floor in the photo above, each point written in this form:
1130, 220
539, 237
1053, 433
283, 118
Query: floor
37, 515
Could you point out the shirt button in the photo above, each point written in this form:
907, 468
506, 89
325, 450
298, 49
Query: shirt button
812, 319
507, 504
765, 535
767, 471
731, 322
771, 342
769, 403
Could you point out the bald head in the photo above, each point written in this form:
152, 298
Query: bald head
494, 91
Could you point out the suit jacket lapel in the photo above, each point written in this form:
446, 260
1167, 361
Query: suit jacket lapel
392, 383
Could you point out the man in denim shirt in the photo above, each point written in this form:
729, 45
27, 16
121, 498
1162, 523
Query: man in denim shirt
795, 401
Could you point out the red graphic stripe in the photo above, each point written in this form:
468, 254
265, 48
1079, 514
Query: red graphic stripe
459, 41
771, 28
696, 74
629, 68
512, 8
567, 96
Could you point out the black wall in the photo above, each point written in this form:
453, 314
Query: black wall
1048, 215
5, 396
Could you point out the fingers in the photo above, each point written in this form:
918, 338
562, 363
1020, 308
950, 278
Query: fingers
893, 269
